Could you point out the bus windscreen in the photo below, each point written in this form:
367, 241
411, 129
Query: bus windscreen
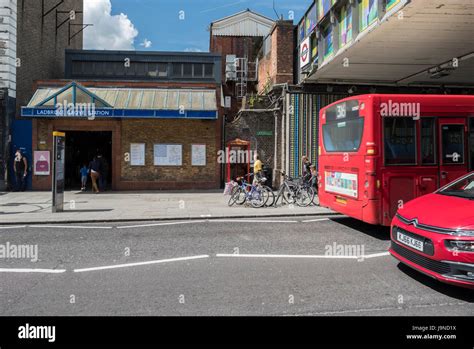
344, 127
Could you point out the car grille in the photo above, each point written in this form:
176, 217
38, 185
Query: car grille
422, 261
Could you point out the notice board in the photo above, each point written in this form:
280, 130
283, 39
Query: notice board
168, 154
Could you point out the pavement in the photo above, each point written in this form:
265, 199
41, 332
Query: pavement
260, 266
80, 207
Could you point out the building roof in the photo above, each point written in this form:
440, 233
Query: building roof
244, 23
125, 102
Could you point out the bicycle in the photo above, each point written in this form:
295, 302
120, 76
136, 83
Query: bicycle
256, 195
295, 190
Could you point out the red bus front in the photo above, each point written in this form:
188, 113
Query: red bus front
378, 152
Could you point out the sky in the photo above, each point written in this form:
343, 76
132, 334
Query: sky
169, 25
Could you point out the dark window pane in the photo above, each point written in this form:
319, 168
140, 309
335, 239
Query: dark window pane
177, 69
452, 139
208, 70
76, 68
187, 69
141, 69
119, 68
198, 70
400, 141
471, 142
428, 150
88, 68
162, 69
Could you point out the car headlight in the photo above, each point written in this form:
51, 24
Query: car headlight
460, 245
464, 233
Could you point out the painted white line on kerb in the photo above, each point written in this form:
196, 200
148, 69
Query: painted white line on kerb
40, 271
249, 221
141, 263
159, 224
68, 227
315, 220
13, 227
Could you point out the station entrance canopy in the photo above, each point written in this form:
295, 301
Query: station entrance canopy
76, 101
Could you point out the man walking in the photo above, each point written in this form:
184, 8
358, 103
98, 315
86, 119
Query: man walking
20, 167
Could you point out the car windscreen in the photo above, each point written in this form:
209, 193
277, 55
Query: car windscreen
462, 188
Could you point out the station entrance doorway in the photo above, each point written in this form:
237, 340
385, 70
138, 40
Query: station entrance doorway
81, 147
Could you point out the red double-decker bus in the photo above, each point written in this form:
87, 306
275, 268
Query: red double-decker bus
377, 152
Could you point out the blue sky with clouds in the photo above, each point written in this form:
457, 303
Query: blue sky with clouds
156, 24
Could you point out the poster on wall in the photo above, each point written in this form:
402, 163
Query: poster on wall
305, 52
391, 4
42, 163
368, 13
323, 7
311, 20
198, 154
137, 154
328, 42
345, 25
341, 183
168, 155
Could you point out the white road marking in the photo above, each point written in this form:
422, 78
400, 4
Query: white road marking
315, 220
68, 226
141, 263
249, 221
13, 227
241, 255
159, 224
44, 271
374, 255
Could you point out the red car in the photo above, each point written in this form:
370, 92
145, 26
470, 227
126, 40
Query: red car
434, 234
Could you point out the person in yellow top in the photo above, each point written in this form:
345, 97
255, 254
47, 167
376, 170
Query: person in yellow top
257, 168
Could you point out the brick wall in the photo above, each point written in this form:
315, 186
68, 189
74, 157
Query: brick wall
277, 66
40, 50
164, 131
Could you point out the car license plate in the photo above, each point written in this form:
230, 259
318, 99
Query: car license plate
409, 241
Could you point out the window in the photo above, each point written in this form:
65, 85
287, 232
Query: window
187, 69
141, 68
208, 70
452, 141
428, 142
328, 41
198, 70
76, 68
400, 141
471, 142
344, 136
177, 69
367, 13
157, 70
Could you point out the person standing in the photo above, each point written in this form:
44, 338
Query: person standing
306, 168
20, 167
257, 169
95, 170
84, 171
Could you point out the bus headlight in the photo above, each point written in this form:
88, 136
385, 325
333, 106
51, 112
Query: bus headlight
460, 245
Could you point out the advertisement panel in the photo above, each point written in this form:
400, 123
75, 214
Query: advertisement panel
341, 183
41, 162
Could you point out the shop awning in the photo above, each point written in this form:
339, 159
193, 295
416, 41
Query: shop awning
74, 100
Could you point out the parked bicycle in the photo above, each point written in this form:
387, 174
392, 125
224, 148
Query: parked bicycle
295, 191
257, 195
